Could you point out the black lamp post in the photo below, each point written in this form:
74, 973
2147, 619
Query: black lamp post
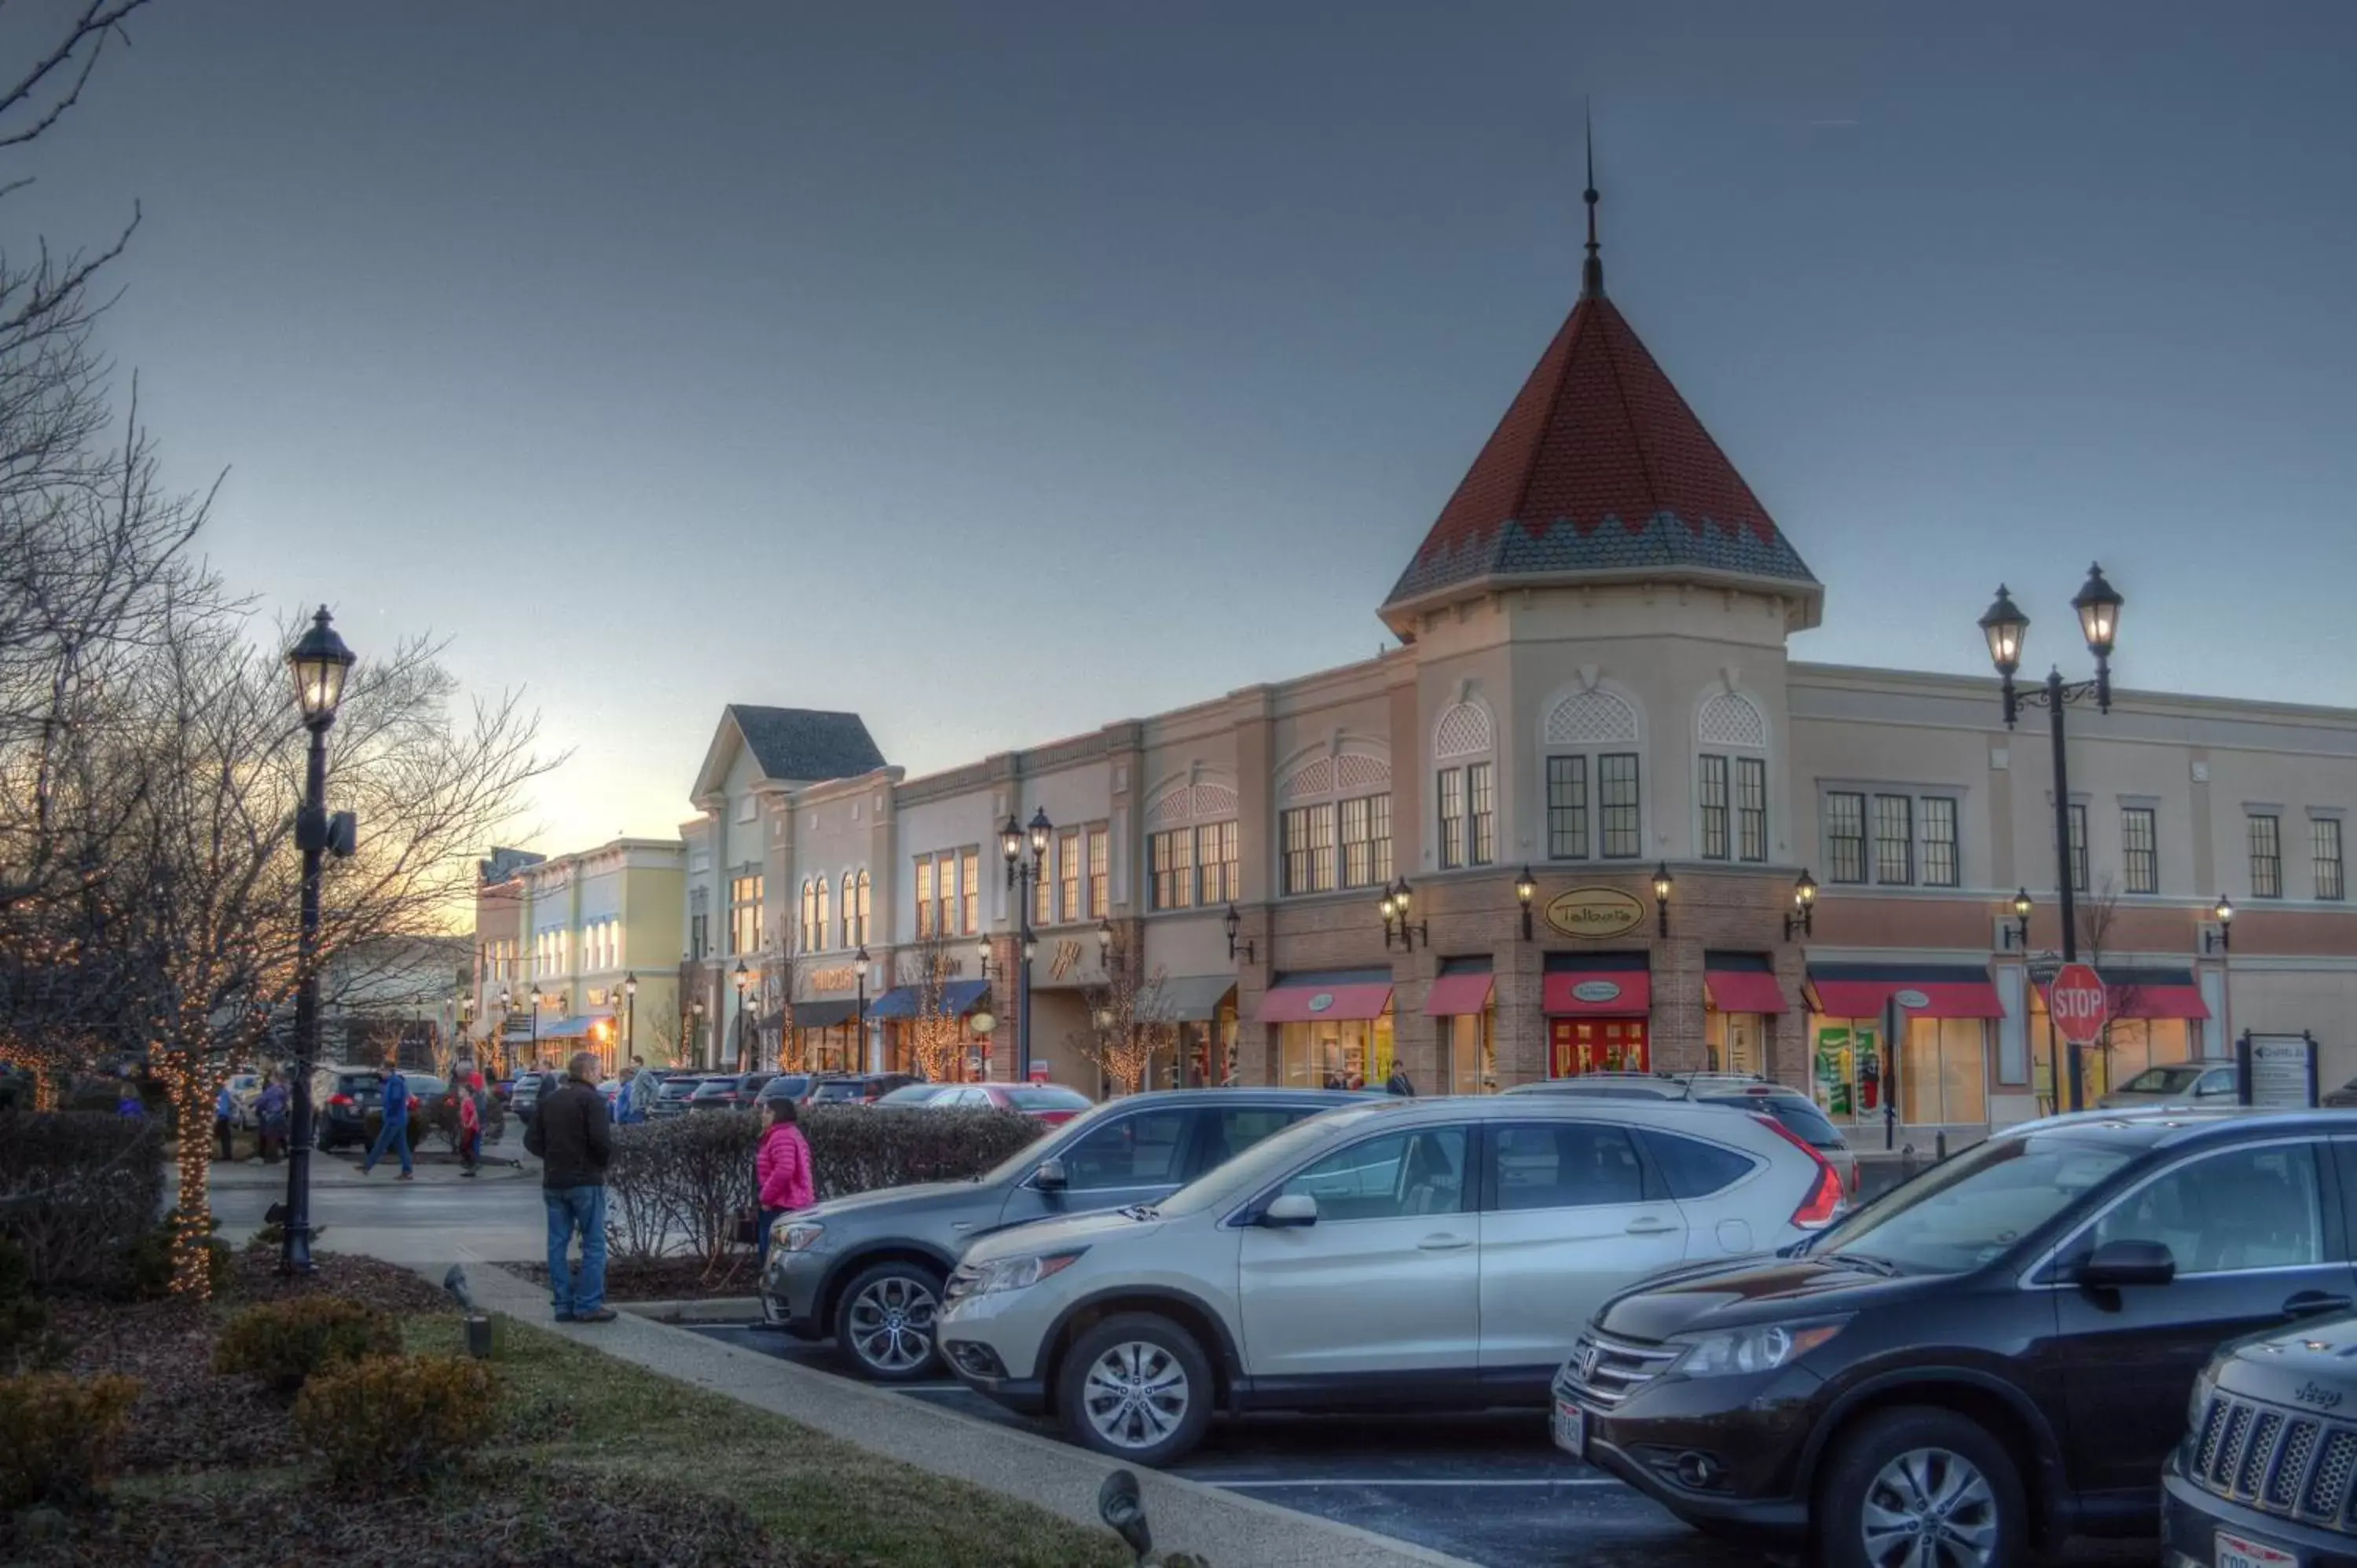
1024, 874
319, 662
2223, 939
1233, 922
1662, 889
695, 1031
535, 1025
859, 962
1395, 905
1526, 889
2003, 623
1803, 917
744, 983
630, 1016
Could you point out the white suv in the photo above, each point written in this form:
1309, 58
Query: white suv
1437, 1253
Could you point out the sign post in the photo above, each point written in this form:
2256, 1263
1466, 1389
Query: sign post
2080, 1004
2275, 1070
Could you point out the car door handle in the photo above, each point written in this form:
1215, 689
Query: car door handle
2308, 1303
1650, 1225
1444, 1243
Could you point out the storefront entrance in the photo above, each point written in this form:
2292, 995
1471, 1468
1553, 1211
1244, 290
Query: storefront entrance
1598, 1045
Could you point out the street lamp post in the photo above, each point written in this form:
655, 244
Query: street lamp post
319, 662
744, 980
2223, 939
2004, 626
630, 1016
859, 962
1024, 874
695, 1031
533, 996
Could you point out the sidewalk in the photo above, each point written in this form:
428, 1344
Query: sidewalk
343, 1169
1186, 1516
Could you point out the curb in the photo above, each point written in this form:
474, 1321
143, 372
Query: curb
709, 1309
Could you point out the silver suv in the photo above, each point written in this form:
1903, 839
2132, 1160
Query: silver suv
870, 1268
1795, 1110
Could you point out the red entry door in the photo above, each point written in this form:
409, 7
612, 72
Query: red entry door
1598, 1045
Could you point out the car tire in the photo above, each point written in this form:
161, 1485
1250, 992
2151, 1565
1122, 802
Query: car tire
1904, 1472
887, 1322
1136, 1386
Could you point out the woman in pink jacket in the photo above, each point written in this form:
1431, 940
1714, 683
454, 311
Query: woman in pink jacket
782, 1170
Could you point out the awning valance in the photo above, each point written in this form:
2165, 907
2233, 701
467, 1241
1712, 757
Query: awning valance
1596, 986
1741, 982
1185, 998
1327, 996
1920, 990
1461, 987
825, 1015
2152, 994
958, 997
573, 1028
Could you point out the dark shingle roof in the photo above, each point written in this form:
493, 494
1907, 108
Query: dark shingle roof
805, 743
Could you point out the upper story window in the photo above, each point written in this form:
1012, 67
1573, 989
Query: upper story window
1068, 876
1310, 831
1890, 838
2139, 850
858, 933
1100, 874
1466, 789
1451, 797
699, 923
1731, 787
1190, 847
2265, 831
746, 927
2324, 848
924, 896
821, 929
970, 891
945, 906
2081, 875
1591, 742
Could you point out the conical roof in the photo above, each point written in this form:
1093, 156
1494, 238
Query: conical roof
1600, 469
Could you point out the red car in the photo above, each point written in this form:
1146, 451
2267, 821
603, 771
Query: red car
1050, 1102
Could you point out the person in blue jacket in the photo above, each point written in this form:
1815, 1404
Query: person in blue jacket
395, 1134
224, 1118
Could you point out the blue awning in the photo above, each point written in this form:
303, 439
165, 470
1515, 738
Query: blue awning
958, 999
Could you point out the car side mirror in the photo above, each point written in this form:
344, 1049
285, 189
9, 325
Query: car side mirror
1050, 1176
1289, 1209
2127, 1262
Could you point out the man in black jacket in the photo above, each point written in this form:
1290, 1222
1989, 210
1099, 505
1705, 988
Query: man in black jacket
574, 1137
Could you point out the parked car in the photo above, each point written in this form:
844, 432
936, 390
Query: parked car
671, 1095
870, 1268
529, 1086
348, 1104
2263, 1477
1992, 1355
1442, 1252
909, 1096
1048, 1102
2177, 1083
858, 1088
728, 1092
794, 1086
1796, 1111
2342, 1098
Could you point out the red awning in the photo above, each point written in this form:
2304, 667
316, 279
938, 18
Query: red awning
1598, 993
1453, 995
1917, 998
1743, 991
1326, 1004
2139, 1001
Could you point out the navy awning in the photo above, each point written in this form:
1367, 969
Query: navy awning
825, 1015
958, 997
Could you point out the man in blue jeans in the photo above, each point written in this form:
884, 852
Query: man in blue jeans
395, 1134
572, 1135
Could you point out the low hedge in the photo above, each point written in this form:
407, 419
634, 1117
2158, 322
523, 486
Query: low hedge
855, 1148
288, 1343
77, 1191
396, 1420
58, 1434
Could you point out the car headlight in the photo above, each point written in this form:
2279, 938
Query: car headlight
796, 1235
1762, 1348
1020, 1273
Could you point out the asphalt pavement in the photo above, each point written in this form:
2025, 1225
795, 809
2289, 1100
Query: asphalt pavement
439, 1217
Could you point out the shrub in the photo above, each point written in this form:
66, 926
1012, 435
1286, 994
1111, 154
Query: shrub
285, 1343
58, 1436
395, 1417
22, 1317
77, 1191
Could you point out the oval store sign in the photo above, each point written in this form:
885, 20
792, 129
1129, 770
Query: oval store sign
1595, 991
1595, 913
1910, 1000
1322, 1000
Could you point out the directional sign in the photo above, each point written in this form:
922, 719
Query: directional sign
2079, 1003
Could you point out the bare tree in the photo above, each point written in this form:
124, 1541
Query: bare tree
1127, 1028
2099, 914
936, 1031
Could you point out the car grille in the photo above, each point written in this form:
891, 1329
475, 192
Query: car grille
2277, 1461
1604, 1371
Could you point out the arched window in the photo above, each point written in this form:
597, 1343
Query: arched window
850, 912
1334, 824
823, 925
1466, 787
859, 939
1192, 846
1589, 744
1731, 778
809, 915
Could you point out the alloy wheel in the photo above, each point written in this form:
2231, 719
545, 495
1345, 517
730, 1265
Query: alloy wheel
892, 1323
1136, 1394
1930, 1507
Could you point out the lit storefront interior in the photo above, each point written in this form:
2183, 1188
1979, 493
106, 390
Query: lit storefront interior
1201, 1012
1941, 1016
1464, 998
1598, 1010
826, 1037
1742, 992
1334, 1028
902, 1008
2156, 1019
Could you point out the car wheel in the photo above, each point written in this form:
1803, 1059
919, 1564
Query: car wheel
1916, 1487
1136, 1386
885, 1322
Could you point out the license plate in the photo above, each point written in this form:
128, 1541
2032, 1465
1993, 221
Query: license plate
2234, 1551
1570, 1426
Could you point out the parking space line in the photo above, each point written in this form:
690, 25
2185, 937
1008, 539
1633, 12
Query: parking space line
1394, 1481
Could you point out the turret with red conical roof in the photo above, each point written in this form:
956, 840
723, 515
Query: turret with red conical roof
1597, 473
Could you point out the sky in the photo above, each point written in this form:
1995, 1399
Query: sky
1000, 371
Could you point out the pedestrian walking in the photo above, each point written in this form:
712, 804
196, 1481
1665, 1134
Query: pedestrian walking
395, 1132
1398, 1083
470, 1122
782, 1170
643, 1089
270, 1116
128, 1104
572, 1132
625, 1099
224, 1118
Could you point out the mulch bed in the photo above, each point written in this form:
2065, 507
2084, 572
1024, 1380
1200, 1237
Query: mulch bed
663, 1278
549, 1518
187, 1417
388, 1287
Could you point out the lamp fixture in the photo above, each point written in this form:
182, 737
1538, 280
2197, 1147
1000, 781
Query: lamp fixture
1662, 888
1395, 904
2221, 940
2022, 904
1233, 922
1526, 889
1803, 914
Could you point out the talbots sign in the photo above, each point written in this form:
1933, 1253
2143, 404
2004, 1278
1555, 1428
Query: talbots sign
1595, 912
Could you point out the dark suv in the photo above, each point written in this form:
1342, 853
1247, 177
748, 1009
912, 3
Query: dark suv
1992, 1356
2265, 1476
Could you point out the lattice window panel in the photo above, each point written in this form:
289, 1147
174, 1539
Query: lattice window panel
1317, 779
1463, 731
1733, 719
1590, 718
1354, 772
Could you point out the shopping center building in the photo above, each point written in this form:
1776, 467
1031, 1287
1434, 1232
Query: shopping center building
1602, 779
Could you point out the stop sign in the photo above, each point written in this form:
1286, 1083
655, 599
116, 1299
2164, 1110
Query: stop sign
2079, 1004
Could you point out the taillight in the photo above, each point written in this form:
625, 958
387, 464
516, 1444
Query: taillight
1824, 1199
340, 1100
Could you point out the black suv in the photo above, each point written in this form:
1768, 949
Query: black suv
2265, 1476
1992, 1356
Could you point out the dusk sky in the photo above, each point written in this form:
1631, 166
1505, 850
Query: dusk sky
1000, 371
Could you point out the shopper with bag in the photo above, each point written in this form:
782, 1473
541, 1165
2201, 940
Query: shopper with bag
783, 1170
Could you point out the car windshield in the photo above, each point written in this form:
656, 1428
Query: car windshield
1973, 1209
2162, 1081
839, 1090
714, 1087
1272, 1155
786, 1086
1022, 1162
679, 1088
913, 1094
1048, 1099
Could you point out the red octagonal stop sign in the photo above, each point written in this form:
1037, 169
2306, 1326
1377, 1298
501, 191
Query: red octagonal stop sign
2080, 1004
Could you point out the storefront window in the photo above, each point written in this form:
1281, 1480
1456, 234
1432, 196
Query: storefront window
1473, 1052
1943, 1073
1598, 1045
1348, 1054
2129, 1045
1847, 1057
1733, 1041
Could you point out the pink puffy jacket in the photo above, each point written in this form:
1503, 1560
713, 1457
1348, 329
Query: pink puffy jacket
783, 1168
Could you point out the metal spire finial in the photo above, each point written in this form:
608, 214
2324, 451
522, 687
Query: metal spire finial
1591, 278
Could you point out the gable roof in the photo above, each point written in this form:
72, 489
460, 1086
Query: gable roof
806, 745
1598, 467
